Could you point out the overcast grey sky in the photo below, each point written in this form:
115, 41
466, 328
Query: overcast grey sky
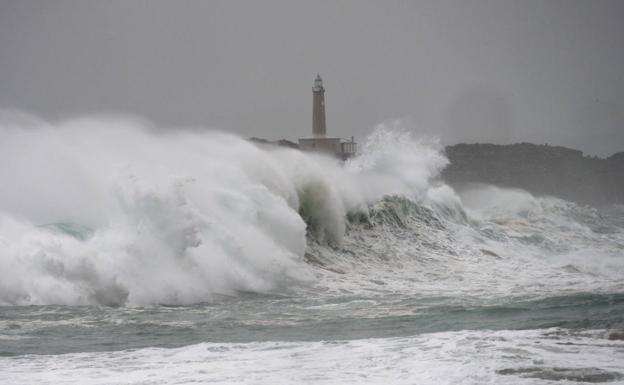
545, 71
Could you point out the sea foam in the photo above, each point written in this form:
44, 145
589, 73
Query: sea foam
114, 211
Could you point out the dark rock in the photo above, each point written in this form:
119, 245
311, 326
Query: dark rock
592, 375
279, 143
286, 143
490, 253
616, 336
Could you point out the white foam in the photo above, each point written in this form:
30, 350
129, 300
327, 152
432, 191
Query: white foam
467, 357
176, 215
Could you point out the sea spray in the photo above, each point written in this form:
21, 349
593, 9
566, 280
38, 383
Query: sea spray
112, 211
176, 216
393, 162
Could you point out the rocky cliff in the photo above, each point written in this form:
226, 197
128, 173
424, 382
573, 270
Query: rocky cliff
539, 169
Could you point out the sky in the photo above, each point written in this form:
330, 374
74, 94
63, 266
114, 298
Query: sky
504, 71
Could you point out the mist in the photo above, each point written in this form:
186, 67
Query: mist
463, 71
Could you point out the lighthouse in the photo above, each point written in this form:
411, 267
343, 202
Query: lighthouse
319, 129
319, 142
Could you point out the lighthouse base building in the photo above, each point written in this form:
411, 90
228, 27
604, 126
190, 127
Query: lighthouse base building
341, 148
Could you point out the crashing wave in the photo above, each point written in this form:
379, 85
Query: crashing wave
114, 212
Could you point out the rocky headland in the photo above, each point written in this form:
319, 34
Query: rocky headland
539, 169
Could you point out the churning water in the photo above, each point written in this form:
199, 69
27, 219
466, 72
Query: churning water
130, 254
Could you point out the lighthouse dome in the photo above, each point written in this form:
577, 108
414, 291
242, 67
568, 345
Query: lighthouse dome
318, 83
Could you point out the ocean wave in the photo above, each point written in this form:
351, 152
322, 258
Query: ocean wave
109, 211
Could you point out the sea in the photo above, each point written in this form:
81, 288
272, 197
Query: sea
135, 254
